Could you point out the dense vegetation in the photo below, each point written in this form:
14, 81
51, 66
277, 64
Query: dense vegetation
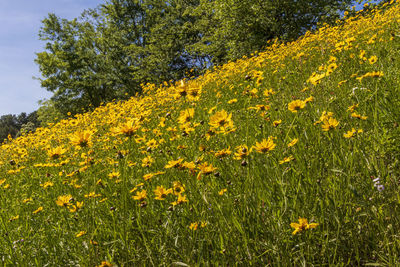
288, 157
110, 51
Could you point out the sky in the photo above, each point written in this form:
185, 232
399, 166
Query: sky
20, 22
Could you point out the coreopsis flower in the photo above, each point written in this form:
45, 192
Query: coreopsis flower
38, 210
181, 199
358, 116
174, 164
302, 225
222, 191
232, 101
113, 175
293, 142
161, 193
105, 264
193, 226
206, 168
47, 184
129, 128
178, 188
372, 60
78, 206
223, 153
329, 124
352, 108
265, 145
242, 152
140, 196
81, 233
276, 123
221, 119
296, 105
147, 161
64, 201
286, 159
352, 133
81, 138
56, 152
186, 116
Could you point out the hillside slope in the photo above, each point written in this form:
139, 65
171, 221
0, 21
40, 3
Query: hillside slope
289, 157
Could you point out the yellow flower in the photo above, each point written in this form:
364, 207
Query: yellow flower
352, 133
352, 108
181, 199
302, 225
206, 168
276, 123
47, 184
293, 142
147, 161
329, 124
232, 101
286, 159
242, 151
221, 119
186, 116
193, 226
222, 191
81, 139
81, 233
358, 116
174, 164
140, 195
223, 153
56, 152
296, 105
38, 210
128, 128
64, 201
178, 188
372, 60
265, 145
161, 193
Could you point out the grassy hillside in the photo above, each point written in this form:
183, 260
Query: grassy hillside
290, 157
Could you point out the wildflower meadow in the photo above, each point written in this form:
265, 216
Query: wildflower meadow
286, 158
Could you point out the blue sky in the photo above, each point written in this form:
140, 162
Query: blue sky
20, 21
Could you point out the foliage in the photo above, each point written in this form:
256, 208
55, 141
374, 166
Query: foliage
286, 158
110, 51
12, 124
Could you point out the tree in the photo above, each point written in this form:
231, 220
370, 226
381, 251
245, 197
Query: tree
12, 124
234, 28
108, 52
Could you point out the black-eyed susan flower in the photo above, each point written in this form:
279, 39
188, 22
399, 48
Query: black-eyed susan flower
329, 124
265, 145
296, 105
140, 196
302, 225
161, 192
64, 200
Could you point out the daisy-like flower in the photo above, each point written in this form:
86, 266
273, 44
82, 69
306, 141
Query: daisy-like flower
265, 145
82, 139
161, 193
38, 210
242, 152
178, 188
81, 233
276, 123
128, 128
186, 116
142, 195
56, 152
221, 119
293, 142
286, 159
174, 164
223, 153
181, 199
352, 133
302, 225
64, 201
296, 105
372, 60
329, 124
